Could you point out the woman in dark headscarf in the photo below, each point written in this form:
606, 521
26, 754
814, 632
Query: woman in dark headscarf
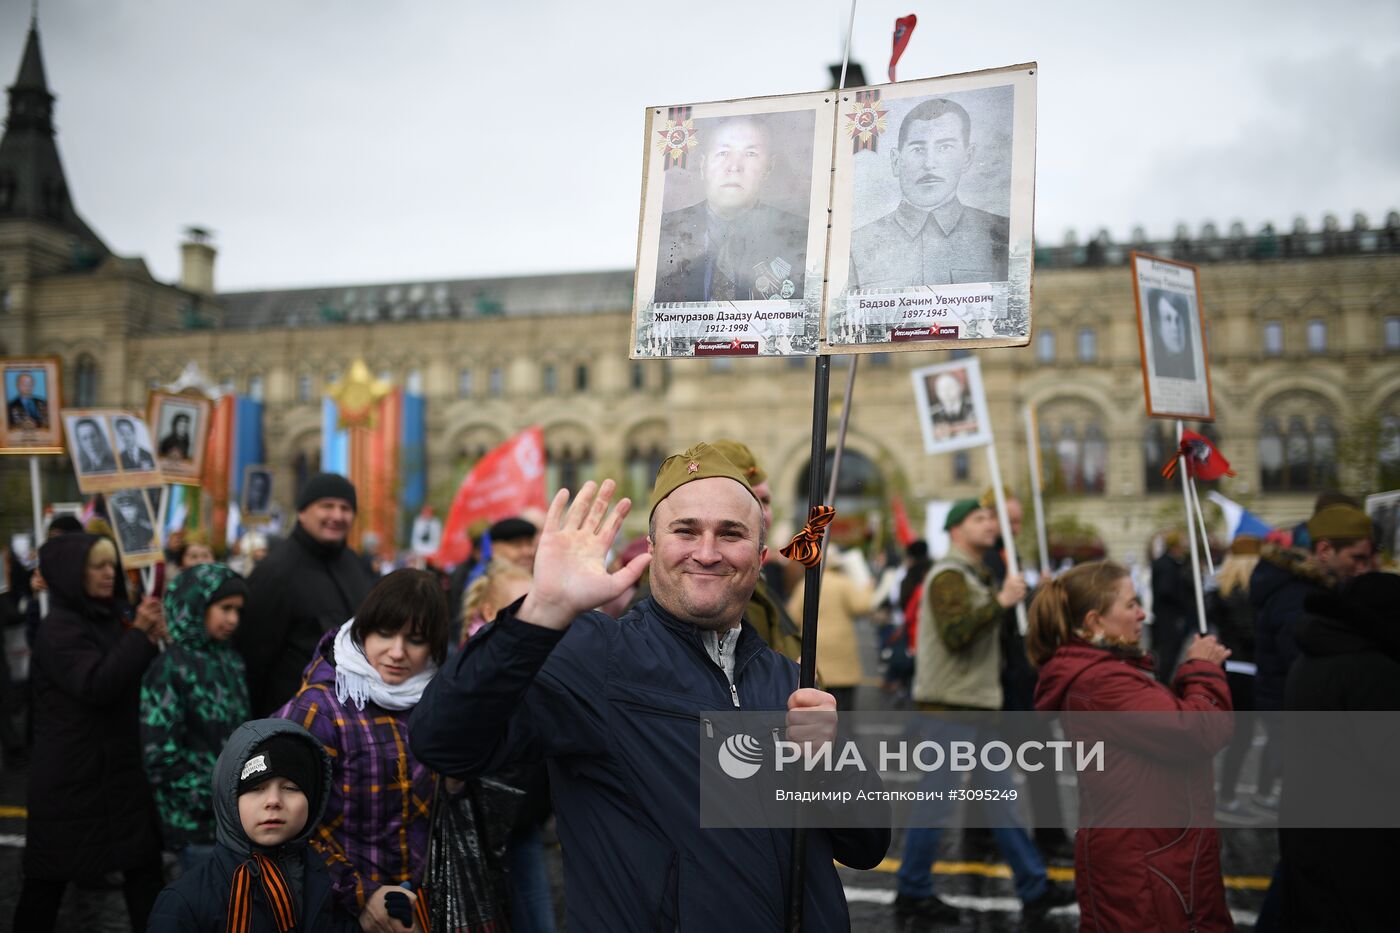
90, 808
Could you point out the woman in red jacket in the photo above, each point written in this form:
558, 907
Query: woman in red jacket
1085, 629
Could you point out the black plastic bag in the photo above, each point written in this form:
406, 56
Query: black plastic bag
464, 878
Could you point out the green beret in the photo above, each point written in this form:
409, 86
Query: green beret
960, 510
699, 462
1339, 522
740, 455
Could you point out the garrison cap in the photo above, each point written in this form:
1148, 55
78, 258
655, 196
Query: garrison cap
702, 461
743, 458
1339, 522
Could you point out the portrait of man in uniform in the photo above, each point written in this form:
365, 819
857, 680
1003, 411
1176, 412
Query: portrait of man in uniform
951, 409
92, 451
1173, 350
28, 407
133, 446
931, 237
733, 245
257, 492
132, 521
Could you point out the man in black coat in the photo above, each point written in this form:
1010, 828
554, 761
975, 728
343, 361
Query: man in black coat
308, 584
1349, 660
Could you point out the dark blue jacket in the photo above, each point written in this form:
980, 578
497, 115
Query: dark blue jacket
1280, 583
198, 900
614, 705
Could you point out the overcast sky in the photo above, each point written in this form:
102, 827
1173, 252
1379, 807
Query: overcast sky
354, 141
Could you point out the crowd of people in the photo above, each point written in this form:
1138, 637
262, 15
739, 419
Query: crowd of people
317, 746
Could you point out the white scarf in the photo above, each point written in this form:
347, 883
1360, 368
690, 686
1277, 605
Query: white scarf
358, 681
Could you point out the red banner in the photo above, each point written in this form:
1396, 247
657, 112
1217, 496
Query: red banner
503, 483
903, 29
903, 532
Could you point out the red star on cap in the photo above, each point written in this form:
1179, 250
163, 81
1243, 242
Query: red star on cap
692, 467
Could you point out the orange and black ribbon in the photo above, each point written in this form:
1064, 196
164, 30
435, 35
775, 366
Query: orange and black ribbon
420, 910
806, 546
279, 895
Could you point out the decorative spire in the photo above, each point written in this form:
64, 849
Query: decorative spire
32, 182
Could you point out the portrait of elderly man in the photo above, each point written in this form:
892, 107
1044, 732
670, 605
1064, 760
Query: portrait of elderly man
951, 408
732, 246
28, 408
931, 237
1173, 353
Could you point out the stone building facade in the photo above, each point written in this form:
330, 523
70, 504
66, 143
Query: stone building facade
1304, 338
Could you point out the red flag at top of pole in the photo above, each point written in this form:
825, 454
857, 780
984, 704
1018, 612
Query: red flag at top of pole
1203, 461
503, 483
903, 29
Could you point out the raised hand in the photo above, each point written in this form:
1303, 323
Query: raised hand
571, 574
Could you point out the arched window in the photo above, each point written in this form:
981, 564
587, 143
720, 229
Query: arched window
1389, 451
255, 387
1073, 447
1298, 444
85, 382
568, 467
1297, 453
1094, 468
1324, 451
859, 489
1045, 346
1270, 456
549, 379
1156, 447
581, 377
464, 382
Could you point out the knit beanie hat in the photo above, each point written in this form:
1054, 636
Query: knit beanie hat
327, 486
284, 756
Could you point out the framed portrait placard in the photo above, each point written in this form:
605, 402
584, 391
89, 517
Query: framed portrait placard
731, 251
931, 214
1172, 339
134, 522
952, 406
256, 500
110, 449
181, 424
33, 405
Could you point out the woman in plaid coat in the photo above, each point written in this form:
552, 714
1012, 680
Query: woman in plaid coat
356, 697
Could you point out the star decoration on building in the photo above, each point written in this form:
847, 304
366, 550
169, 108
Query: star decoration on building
358, 395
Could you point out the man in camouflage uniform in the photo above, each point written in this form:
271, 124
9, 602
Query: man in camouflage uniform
958, 668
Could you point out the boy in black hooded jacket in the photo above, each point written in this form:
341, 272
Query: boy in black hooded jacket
270, 787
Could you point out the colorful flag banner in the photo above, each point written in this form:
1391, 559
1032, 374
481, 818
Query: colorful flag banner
903, 531
335, 441
413, 454
1240, 520
1203, 461
503, 483
903, 29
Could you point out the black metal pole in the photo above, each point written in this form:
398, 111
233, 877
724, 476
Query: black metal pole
807, 675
